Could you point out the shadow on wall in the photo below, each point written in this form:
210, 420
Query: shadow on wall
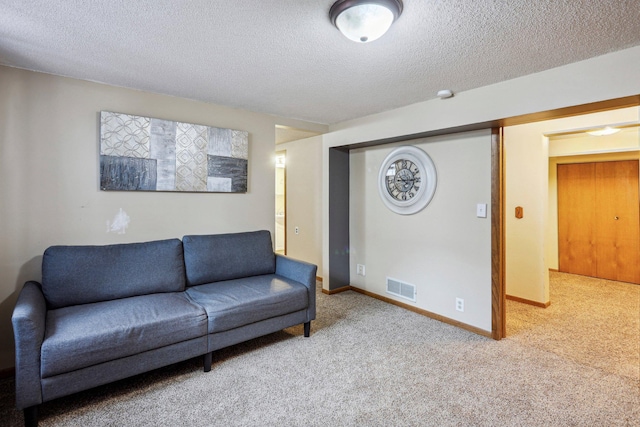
31, 270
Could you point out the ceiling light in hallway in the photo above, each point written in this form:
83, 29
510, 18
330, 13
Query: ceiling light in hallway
602, 132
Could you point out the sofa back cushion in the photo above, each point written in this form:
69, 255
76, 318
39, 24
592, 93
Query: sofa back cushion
213, 258
84, 274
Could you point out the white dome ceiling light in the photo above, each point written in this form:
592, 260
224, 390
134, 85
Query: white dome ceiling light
604, 131
364, 21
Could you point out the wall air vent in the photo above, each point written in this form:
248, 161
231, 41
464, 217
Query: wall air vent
401, 289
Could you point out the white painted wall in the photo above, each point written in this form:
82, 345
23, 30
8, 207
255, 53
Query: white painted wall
304, 199
530, 241
444, 250
49, 176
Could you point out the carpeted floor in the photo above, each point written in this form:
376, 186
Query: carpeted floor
368, 363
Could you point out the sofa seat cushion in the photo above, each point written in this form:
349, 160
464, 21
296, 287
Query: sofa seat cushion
234, 303
85, 335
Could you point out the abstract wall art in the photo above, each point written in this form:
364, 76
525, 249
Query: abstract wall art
146, 154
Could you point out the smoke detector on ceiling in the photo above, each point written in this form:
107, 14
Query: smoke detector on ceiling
445, 93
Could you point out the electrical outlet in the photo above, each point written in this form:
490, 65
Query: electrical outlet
360, 270
296, 230
459, 304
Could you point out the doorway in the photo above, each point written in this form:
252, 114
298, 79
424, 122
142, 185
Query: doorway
532, 151
281, 204
598, 220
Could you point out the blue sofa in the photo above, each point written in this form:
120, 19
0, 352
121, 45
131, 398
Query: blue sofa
103, 313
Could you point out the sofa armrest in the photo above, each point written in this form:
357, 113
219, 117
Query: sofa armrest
302, 272
28, 321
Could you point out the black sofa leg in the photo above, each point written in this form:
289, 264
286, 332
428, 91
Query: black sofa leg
31, 416
307, 329
207, 361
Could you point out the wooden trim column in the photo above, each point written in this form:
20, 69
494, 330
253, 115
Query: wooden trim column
498, 294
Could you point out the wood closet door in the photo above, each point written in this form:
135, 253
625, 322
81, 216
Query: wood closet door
618, 221
599, 220
576, 219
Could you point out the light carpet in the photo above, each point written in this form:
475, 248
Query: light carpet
368, 363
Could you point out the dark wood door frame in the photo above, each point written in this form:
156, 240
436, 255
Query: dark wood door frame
498, 291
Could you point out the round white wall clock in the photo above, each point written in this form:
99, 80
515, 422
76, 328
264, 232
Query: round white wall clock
407, 180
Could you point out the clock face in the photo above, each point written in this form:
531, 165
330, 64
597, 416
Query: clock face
403, 179
407, 180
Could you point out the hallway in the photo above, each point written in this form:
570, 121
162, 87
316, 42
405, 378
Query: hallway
591, 321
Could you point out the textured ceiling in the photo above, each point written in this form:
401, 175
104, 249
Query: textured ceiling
284, 57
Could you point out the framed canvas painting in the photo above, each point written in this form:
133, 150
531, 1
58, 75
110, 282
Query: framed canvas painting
146, 154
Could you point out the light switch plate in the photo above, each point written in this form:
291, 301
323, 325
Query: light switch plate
481, 210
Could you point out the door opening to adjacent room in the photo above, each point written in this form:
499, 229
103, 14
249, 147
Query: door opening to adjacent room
591, 246
281, 204
591, 255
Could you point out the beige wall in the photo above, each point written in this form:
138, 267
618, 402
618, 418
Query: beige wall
525, 174
49, 176
304, 201
445, 249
